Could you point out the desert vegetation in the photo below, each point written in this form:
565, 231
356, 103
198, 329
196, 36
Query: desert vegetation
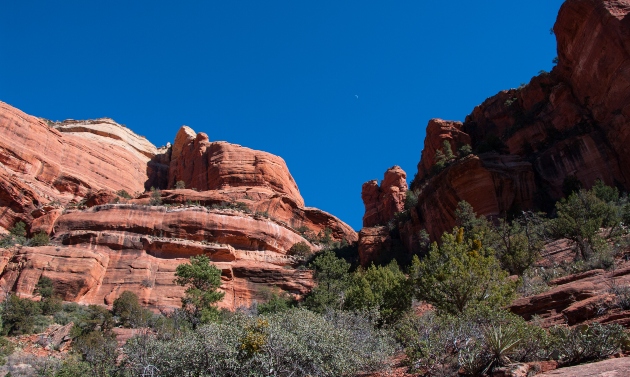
356, 318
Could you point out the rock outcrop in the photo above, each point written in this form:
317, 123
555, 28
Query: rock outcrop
606, 368
384, 201
85, 183
206, 165
566, 125
40, 165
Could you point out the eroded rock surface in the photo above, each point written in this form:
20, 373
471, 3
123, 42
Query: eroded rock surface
40, 165
570, 123
85, 182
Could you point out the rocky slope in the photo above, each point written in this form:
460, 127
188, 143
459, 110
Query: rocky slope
565, 126
62, 178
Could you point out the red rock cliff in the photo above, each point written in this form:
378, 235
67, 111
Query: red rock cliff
571, 122
111, 244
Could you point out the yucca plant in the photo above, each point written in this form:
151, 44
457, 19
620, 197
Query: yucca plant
499, 343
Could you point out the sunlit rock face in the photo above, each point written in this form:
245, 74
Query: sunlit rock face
66, 179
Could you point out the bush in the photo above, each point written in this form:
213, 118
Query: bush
70, 312
324, 237
518, 244
73, 367
129, 311
6, 348
580, 218
382, 288
180, 185
622, 296
123, 194
301, 250
332, 276
19, 315
411, 200
99, 351
276, 303
39, 239
44, 287
296, 343
236, 206
474, 341
465, 150
17, 235
156, 197
51, 305
90, 319
588, 342
460, 273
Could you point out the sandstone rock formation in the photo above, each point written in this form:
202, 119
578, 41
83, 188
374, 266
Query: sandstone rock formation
67, 179
568, 124
382, 202
39, 164
606, 368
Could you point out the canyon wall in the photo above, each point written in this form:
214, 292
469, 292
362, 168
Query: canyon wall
86, 184
525, 144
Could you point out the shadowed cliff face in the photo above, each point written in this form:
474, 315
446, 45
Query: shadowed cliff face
572, 122
62, 179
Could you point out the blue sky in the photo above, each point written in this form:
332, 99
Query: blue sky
279, 76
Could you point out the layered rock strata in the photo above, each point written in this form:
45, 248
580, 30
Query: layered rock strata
242, 208
564, 126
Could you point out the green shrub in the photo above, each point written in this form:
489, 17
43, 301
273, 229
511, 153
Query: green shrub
44, 287
475, 341
332, 276
295, 342
518, 244
39, 239
19, 315
180, 185
90, 319
383, 288
588, 342
6, 349
70, 312
17, 235
156, 197
622, 296
324, 237
465, 150
129, 311
123, 194
440, 162
237, 206
99, 351
460, 273
580, 218
73, 367
276, 303
202, 281
300, 250
411, 200
51, 305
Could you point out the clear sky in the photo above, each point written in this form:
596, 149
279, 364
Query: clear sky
342, 90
